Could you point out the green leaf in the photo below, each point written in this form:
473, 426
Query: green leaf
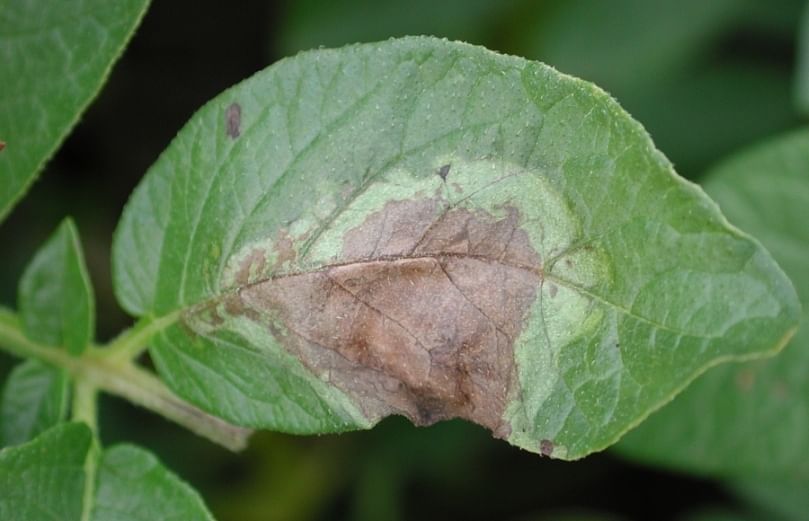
667, 62
802, 69
54, 57
659, 38
781, 500
431, 229
44, 478
750, 419
55, 295
134, 486
308, 24
35, 398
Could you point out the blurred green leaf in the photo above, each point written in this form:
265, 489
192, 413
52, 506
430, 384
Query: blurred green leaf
43, 480
780, 500
309, 24
723, 105
802, 69
54, 57
35, 398
625, 45
668, 63
56, 297
134, 486
236, 236
752, 419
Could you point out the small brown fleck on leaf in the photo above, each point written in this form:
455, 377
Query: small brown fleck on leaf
443, 172
780, 390
233, 119
2, 145
745, 378
546, 447
568, 263
285, 248
417, 316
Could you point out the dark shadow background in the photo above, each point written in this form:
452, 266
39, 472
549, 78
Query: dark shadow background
705, 77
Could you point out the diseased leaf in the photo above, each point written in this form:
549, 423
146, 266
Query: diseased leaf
751, 419
56, 297
430, 229
35, 398
43, 479
54, 57
134, 486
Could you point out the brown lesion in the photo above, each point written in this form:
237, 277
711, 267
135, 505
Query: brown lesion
417, 317
233, 120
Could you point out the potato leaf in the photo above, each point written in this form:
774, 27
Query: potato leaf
35, 398
752, 419
133, 485
55, 297
43, 479
431, 229
54, 57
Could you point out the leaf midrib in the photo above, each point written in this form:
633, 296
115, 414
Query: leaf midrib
179, 313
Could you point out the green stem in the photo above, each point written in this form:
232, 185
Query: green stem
85, 409
133, 342
111, 372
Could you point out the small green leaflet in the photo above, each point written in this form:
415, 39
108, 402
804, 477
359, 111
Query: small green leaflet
134, 486
54, 57
428, 228
752, 419
55, 296
35, 398
44, 480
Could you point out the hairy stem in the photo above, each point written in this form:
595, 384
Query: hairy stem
133, 342
109, 371
85, 400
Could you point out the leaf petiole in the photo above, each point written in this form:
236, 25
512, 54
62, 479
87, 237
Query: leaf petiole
100, 370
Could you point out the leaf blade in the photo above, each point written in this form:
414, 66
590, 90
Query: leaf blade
35, 398
133, 484
228, 217
56, 56
44, 478
56, 301
747, 420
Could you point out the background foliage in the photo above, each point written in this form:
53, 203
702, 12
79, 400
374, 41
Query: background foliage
705, 78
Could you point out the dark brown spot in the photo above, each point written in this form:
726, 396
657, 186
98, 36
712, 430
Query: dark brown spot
443, 172
417, 316
546, 447
233, 119
2, 145
568, 263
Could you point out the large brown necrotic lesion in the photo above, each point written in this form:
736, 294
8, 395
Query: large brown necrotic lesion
419, 314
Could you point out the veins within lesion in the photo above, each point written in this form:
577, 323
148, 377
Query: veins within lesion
420, 324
